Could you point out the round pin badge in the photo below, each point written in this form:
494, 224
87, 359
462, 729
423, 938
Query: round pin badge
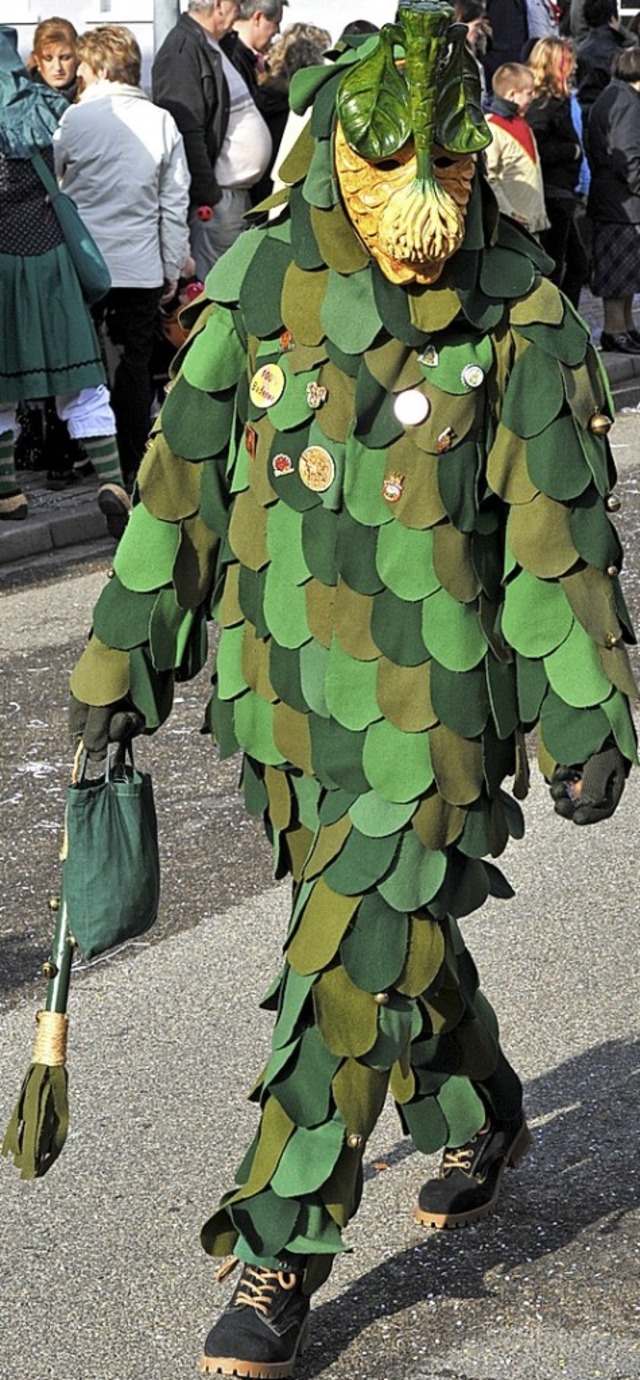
267, 385
472, 375
317, 469
411, 407
393, 487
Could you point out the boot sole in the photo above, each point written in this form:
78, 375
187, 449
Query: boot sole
255, 1370
514, 1157
114, 504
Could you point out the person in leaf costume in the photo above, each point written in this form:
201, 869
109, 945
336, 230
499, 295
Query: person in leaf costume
382, 467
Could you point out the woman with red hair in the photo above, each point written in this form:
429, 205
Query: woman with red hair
54, 57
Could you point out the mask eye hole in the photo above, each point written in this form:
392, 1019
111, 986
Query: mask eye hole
389, 164
443, 162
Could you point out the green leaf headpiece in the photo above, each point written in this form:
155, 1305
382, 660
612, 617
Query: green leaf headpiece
419, 82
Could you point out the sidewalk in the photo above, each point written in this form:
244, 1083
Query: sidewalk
69, 521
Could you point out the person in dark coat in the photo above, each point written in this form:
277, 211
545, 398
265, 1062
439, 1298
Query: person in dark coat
597, 53
552, 62
614, 201
509, 33
188, 80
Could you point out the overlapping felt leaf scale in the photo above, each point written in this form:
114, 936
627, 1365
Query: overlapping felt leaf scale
399, 603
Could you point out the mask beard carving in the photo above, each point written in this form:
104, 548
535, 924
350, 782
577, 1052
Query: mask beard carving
376, 197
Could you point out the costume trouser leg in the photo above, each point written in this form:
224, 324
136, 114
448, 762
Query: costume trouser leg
344, 1034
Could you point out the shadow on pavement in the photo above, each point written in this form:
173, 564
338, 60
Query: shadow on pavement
579, 1174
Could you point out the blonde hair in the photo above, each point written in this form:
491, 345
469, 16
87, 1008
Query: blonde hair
301, 45
553, 63
512, 76
51, 31
112, 52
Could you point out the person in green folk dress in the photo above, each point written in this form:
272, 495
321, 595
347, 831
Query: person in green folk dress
48, 345
382, 467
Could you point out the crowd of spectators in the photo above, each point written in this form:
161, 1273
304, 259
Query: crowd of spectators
561, 86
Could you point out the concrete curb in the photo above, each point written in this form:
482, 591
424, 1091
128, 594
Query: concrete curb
68, 521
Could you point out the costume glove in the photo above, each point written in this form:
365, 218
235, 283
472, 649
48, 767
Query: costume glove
98, 725
591, 792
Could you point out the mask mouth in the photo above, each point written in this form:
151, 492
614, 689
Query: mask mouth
410, 237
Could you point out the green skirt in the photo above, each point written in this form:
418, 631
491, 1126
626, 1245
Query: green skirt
48, 343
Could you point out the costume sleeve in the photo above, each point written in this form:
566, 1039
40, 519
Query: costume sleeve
564, 615
150, 622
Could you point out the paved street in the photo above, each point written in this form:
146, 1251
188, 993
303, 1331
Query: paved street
101, 1273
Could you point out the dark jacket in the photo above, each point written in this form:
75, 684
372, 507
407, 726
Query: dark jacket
614, 155
558, 144
596, 55
187, 80
244, 60
509, 33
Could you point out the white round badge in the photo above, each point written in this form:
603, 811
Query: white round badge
411, 407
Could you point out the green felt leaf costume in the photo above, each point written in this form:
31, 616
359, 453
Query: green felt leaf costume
383, 650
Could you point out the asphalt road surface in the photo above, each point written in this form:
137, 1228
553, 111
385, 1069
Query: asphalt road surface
101, 1273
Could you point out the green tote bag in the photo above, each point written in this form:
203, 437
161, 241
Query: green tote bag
112, 868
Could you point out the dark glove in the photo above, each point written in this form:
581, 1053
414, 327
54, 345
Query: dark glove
98, 725
592, 792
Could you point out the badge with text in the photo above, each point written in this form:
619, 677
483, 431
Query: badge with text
267, 385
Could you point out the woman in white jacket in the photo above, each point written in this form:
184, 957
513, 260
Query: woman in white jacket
122, 160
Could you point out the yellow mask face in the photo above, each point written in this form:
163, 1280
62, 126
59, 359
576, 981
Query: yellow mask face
410, 237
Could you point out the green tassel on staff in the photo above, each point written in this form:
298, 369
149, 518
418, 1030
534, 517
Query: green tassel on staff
38, 1128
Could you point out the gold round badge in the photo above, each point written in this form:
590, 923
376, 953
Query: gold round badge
267, 385
316, 469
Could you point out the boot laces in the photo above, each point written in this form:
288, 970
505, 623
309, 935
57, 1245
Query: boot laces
461, 1156
258, 1287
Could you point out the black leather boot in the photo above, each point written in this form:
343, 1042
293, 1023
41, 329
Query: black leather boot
263, 1329
467, 1185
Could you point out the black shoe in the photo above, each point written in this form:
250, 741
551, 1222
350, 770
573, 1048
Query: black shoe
468, 1181
263, 1328
620, 343
61, 479
115, 503
83, 469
